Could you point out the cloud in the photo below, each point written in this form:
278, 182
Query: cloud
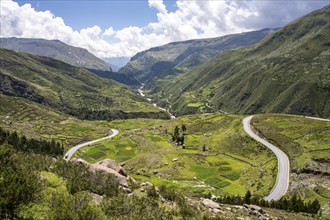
109, 32
157, 4
192, 19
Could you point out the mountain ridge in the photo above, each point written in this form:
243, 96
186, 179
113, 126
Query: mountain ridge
69, 89
56, 49
287, 72
179, 56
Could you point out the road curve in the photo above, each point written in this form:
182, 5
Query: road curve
282, 179
70, 152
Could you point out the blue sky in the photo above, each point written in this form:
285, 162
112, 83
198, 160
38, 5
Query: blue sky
123, 28
118, 14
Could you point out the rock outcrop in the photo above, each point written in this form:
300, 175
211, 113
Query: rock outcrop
110, 167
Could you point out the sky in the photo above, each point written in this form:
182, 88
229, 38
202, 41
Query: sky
110, 28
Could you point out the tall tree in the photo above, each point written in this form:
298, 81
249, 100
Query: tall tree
184, 128
247, 197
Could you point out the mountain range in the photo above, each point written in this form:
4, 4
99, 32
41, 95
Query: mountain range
177, 57
287, 72
72, 90
203, 165
74, 56
57, 50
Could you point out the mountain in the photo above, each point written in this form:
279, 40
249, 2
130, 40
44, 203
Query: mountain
179, 56
287, 72
113, 67
72, 90
57, 50
116, 62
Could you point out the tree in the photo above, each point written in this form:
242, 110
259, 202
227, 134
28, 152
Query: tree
247, 197
314, 207
18, 184
176, 134
184, 128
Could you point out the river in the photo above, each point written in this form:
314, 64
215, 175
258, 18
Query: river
154, 104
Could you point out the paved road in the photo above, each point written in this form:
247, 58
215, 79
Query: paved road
282, 179
70, 152
309, 117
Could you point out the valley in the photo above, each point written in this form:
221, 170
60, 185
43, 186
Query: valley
230, 127
286, 72
231, 163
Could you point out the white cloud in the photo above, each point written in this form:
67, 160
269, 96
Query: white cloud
192, 19
109, 32
158, 4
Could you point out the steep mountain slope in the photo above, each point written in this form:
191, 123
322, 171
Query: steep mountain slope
179, 56
286, 72
70, 89
57, 50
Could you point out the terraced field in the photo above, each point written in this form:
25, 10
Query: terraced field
37, 121
231, 164
307, 143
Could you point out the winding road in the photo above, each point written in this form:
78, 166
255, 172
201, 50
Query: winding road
70, 152
283, 174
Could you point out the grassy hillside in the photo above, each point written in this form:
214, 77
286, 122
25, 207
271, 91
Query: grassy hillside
37, 121
287, 72
307, 143
57, 50
231, 164
228, 166
69, 89
177, 57
37, 186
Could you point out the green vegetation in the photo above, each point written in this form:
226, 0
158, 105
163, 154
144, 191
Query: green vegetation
72, 90
303, 140
39, 122
32, 187
174, 58
293, 203
191, 156
287, 72
231, 164
19, 184
227, 166
27, 145
306, 142
57, 50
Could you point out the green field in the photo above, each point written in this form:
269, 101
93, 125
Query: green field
232, 163
37, 121
307, 143
228, 166
301, 138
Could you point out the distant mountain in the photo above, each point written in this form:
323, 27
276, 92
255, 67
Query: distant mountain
70, 89
113, 67
117, 62
179, 56
57, 50
287, 72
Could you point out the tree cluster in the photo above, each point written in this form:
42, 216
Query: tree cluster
19, 181
109, 115
186, 211
23, 186
79, 178
294, 203
22, 143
